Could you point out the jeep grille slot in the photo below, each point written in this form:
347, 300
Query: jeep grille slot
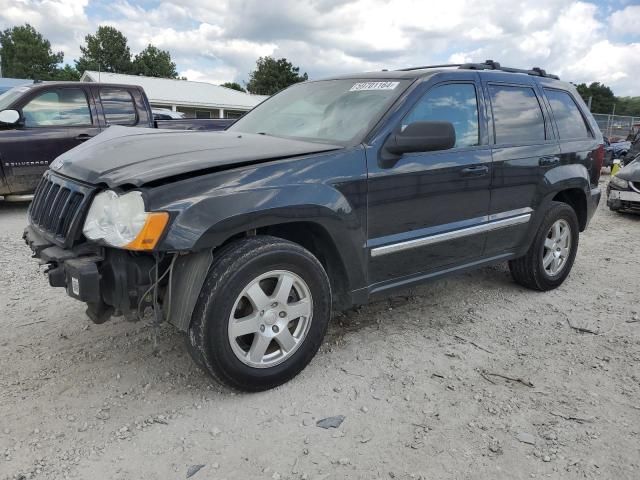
57, 209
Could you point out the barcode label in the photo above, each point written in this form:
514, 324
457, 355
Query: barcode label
374, 86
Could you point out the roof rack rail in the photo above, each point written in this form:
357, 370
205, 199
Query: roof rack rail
409, 69
487, 65
491, 65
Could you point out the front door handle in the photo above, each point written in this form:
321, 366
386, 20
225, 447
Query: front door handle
84, 136
475, 171
549, 161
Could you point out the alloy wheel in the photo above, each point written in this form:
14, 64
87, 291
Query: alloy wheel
556, 248
270, 319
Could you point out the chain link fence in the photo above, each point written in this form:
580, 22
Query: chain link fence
617, 125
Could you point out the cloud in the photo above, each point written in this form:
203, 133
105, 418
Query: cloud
221, 40
612, 64
626, 20
63, 22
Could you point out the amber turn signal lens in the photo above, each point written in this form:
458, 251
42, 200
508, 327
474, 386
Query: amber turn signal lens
153, 228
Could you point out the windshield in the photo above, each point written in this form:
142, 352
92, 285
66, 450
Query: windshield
7, 98
329, 111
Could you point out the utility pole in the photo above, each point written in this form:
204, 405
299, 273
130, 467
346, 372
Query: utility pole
589, 102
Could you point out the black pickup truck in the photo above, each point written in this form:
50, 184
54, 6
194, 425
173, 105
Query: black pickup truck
40, 121
323, 196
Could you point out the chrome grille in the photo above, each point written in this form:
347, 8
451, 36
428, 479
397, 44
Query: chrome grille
635, 186
58, 208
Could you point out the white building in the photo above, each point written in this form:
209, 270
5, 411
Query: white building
194, 99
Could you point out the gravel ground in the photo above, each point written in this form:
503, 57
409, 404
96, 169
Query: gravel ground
469, 377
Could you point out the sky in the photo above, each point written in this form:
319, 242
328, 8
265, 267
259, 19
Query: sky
220, 40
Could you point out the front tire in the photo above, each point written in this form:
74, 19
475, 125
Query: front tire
262, 313
550, 257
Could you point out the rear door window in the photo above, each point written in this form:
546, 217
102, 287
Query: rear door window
517, 116
456, 103
64, 107
118, 106
569, 120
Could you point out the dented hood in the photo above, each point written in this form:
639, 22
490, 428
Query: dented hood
128, 155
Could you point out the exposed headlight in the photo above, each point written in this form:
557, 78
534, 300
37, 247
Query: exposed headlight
121, 221
619, 183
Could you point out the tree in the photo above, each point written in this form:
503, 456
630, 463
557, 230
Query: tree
602, 96
27, 54
271, 76
233, 86
628, 106
67, 73
153, 62
106, 51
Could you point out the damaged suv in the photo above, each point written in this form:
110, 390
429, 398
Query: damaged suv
323, 196
623, 190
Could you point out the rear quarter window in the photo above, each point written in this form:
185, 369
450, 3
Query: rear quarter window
570, 122
118, 106
517, 115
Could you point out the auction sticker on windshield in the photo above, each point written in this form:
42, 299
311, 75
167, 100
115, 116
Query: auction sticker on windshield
374, 86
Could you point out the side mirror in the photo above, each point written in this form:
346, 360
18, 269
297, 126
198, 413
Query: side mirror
422, 137
10, 117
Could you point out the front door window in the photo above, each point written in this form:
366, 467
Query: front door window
455, 103
65, 107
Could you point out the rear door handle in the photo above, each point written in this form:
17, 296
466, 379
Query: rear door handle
475, 171
84, 136
549, 161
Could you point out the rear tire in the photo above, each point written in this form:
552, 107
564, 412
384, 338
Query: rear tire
550, 257
262, 313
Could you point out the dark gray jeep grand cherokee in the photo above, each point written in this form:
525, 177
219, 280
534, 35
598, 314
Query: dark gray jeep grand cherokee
324, 195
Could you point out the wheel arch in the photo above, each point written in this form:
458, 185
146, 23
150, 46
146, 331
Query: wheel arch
315, 238
576, 199
191, 269
568, 184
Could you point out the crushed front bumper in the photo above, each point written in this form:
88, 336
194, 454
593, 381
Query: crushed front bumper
110, 281
623, 200
76, 270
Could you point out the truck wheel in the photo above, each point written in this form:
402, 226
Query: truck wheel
262, 313
550, 257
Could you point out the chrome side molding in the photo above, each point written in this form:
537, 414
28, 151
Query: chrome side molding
494, 222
